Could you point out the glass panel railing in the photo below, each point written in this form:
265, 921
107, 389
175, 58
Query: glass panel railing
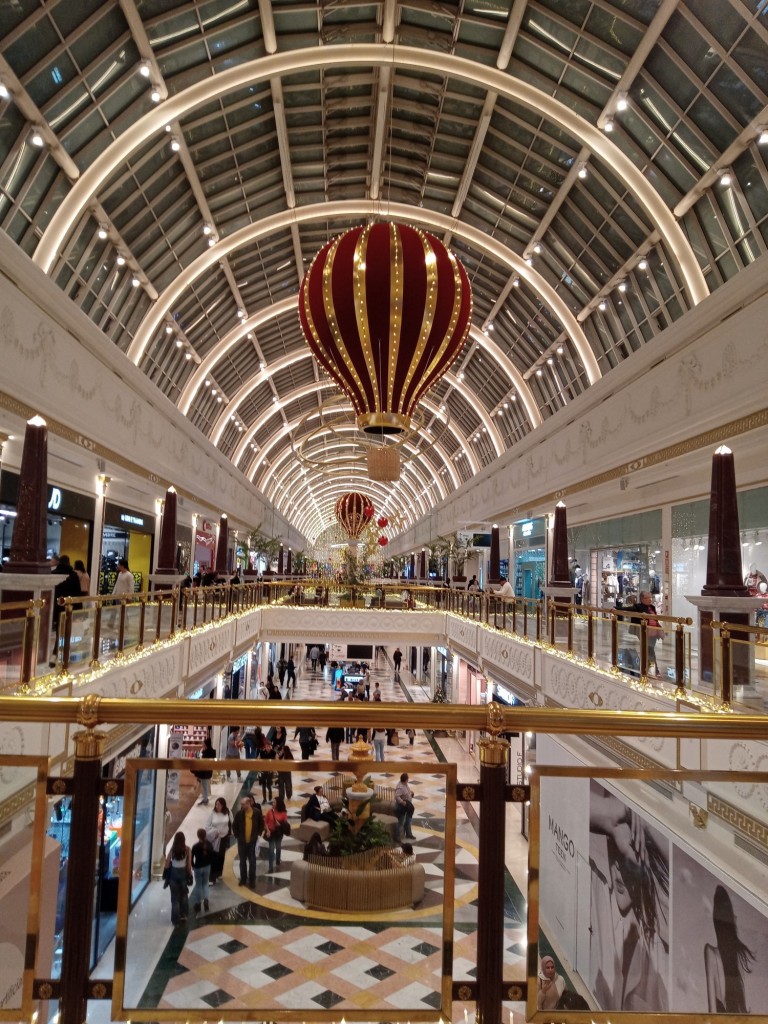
30, 885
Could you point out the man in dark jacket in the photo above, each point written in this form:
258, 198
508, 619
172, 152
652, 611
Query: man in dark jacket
69, 587
247, 826
335, 736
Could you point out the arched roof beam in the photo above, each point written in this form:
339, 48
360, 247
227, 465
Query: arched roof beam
315, 386
364, 55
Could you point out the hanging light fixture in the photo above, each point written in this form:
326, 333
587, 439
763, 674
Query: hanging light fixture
386, 309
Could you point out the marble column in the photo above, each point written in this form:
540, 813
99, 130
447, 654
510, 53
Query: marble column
221, 547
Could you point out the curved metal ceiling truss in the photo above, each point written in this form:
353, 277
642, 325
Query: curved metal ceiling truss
489, 127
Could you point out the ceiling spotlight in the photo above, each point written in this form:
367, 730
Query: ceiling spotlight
726, 178
179, 343
135, 281
622, 103
490, 327
188, 356
762, 138
608, 125
241, 314
214, 391
513, 398
583, 171
36, 138
643, 264
120, 260
500, 412
560, 350
207, 383
506, 405
175, 144
622, 286
550, 361
529, 260
219, 398
539, 373
211, 242
207, 229
145, 69
602, 307
155, 94
516, 282
103, 233
4, 91
537, 248
168, 329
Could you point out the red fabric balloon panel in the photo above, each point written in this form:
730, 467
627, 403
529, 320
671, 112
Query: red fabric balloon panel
353, 512
386, 309
383, 541
381, 522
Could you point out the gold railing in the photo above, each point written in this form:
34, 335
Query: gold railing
93, 630
41, 993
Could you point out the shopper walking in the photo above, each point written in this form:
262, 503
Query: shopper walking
178, 877
202, 859
335, 736
219, 831
247, 826
275, 822
404, 808
234, 746
204, 775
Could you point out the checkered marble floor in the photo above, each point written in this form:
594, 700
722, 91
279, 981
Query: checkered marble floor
261, 949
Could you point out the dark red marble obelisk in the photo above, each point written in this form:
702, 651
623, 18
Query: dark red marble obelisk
221, 547
725, 574
559, 575
423, 564
28, 547
166, 556
289, 565
494, 568
280, 561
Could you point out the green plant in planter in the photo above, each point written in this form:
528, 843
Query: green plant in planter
344, 840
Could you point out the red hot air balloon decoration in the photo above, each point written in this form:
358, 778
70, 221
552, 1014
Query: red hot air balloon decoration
383, 541
381, 522
354, 511
386, 309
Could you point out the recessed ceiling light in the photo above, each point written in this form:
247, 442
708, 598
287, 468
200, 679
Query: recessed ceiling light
144, 69
155, 94
36, 138
103, 233
608, 124
135, 282
622, 103
602, 307
120, 260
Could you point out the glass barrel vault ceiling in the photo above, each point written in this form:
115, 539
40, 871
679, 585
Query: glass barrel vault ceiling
174, 167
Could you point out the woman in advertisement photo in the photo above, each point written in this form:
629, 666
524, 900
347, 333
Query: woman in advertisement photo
629, 918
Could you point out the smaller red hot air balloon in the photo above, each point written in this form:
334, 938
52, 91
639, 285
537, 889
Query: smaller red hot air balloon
381, 522
383, 541
354, 511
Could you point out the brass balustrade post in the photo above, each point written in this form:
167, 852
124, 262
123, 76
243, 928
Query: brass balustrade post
644, 649
614, 644
78, 907
142, 621
29, 644
96, 646
494, 753
551, 621
121, 627
525, 619
725, 666
570, 628
67, 638
680, 660
538, 620
590, 638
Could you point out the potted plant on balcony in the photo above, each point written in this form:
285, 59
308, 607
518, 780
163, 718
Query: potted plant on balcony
263, 547
456, 550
